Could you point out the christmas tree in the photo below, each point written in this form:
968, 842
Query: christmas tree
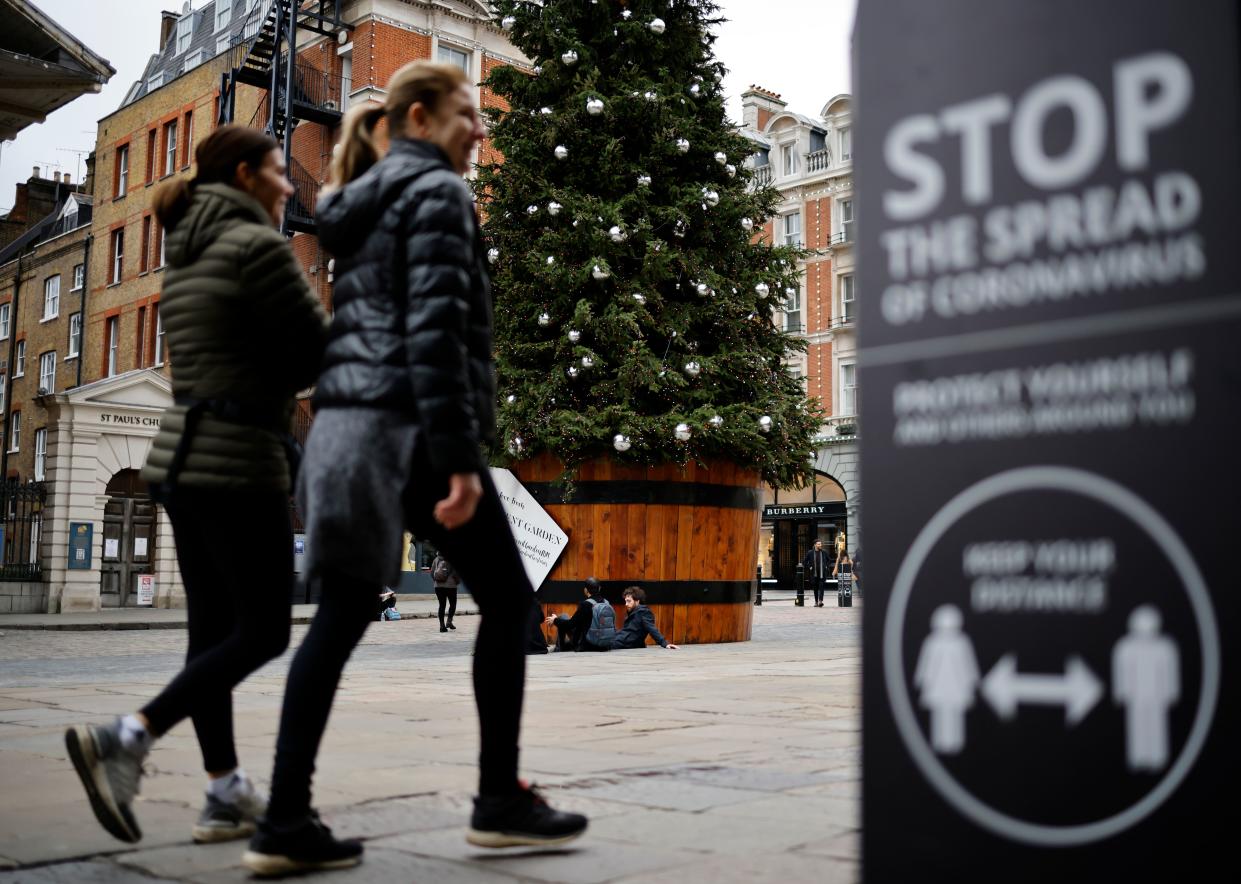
634, 310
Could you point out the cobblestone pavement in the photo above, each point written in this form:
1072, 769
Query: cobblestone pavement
716, 763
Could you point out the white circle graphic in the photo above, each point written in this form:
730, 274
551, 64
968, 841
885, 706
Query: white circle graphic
1095, 487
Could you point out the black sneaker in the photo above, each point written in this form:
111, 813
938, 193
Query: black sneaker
524, 819
304, 846
110, 774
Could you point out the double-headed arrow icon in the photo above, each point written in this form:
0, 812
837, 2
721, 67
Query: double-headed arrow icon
1078, 690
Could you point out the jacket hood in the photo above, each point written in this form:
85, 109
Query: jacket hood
213, 209
347, 215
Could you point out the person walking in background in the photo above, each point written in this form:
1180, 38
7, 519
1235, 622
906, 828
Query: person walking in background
446, 582
817, 567
404, 403
246, 335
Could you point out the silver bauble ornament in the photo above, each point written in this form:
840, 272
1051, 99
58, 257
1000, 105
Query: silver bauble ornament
747, 224
657, 26
789, 291
545, 320
574, 336
680, 228
545, 111
764, 424
588, 362
553, 208
683, 145
551, 259
493, 255
571, 371
703, 288
538, 69
731, 170
650, 96
762, 289
594, 106
682, 432
510, 399
532, 209
693, 369
514, 447
695, 90
721, 157
561, 152
644, 180
569, 57
716, 421
617, 234
639, 297
626, 14
711, 198
508, 22
620, 442
600, 272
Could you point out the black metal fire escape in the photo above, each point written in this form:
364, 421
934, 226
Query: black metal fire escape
293, 91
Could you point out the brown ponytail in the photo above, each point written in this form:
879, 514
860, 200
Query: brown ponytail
357, 149
217, 156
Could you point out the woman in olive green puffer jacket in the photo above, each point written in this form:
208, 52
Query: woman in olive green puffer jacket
245, 334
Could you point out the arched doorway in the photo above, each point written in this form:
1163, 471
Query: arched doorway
128, 539
793, 520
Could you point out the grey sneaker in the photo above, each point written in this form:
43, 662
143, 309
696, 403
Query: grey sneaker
229, 820
110, 774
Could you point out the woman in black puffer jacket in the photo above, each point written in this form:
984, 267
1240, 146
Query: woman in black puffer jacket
405, 401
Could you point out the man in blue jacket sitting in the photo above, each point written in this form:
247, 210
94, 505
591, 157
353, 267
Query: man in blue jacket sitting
639, 623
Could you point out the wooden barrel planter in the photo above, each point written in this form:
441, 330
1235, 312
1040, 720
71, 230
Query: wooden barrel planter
687, 535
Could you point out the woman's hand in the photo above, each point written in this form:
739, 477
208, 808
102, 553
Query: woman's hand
464, 492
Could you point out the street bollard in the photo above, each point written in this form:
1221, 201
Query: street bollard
800, 601
758, 596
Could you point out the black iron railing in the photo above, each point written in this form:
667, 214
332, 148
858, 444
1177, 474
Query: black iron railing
21, 529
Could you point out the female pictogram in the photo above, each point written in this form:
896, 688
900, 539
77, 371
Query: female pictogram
947, 676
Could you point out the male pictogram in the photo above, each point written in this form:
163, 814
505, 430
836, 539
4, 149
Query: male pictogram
1146, 680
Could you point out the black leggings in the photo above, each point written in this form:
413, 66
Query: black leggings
447, 594
497, 581
235, 550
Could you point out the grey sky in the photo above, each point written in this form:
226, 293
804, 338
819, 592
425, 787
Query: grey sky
798, 48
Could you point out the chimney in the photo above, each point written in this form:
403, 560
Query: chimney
167, 24
35, 174
758, 106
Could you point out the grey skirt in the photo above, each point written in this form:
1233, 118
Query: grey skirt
350, 486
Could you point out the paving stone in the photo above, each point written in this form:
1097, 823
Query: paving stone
665, 793
761, 868
846, 846
93, 872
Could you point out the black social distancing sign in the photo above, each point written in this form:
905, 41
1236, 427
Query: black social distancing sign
1049, 204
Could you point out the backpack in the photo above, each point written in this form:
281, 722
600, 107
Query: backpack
441, 571
390, 614
602, 623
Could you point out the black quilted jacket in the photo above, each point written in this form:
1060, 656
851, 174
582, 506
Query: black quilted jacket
411, 329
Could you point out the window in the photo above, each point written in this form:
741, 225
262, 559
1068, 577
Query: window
40, 454
156, 80
15, 431
150, 156
846, 144
792, 310
75, 335
185, 32
112, 335
140, 338
158, 350
848, 388
122, 170
223, 13
51, 297
194, 59
222, 44
846, 220
79, 277
144, 245
188, 148
846, 298
47, 371
788, 155
458, 57
19, 360
792, 229
4, 320
170, 148
346, 78
118, 254
161, 234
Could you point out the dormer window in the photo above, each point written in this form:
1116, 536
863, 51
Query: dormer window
223, 13
185, 32
194, 59
156, 80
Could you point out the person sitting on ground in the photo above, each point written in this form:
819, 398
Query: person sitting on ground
592, 626
639, 623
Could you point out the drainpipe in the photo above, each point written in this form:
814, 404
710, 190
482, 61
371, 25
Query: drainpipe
8, 375
90, 238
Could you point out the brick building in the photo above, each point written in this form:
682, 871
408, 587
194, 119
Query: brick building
810, 161
209, 62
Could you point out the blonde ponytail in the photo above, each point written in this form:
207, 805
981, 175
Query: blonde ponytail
358, 148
